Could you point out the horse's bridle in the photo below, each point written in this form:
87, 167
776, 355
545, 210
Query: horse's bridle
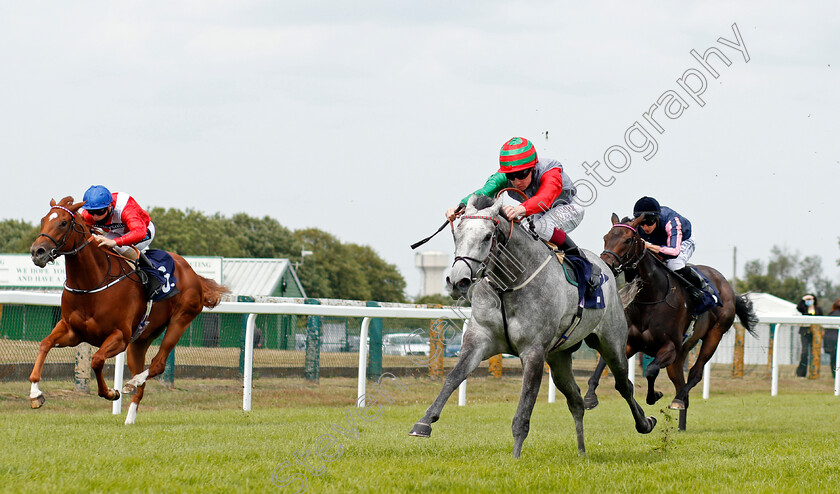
56, 252
482, 263
624, 261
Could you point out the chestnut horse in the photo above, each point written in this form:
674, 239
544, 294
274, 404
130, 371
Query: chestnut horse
661, 313
104, 301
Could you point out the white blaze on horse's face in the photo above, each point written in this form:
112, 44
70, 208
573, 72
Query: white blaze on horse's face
53, 216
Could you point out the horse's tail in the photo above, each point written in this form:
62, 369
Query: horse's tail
746, 314
629, 291
212, 292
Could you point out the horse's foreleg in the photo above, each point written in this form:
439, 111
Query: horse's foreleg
61, 335
533, 364
695, 375
590, 401
561, 373
112, 346
470, 357
616, 358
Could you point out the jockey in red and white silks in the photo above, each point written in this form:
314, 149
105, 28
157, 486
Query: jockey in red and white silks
122, 219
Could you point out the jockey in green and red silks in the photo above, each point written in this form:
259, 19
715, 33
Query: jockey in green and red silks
549, 192
546, 185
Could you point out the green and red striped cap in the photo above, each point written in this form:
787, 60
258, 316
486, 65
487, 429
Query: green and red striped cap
517, 154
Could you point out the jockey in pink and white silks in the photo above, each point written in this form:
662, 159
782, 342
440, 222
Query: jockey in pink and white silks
668, 234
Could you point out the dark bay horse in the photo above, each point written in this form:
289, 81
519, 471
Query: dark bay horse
660, 314
104, 301
523, 304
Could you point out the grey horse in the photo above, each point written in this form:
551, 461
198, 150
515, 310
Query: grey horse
522, 304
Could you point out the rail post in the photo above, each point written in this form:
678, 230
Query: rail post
241, 298
168, 376
437, 347
770, 350
738, 352
374, 369
495, 367
312, 363
81, 378
816, 351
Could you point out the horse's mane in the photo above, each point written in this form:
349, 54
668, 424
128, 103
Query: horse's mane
483, 202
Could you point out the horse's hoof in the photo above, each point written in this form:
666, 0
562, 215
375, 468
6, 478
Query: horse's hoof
677, 405
652, 399
652, 422
37, 402
129, 389
116, 395
590, 402
421, 430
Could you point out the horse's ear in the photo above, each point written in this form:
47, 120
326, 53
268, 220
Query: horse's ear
75, 207
614, 218
470, 209
52, 202
494, 209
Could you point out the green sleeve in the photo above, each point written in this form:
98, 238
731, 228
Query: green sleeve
494, 184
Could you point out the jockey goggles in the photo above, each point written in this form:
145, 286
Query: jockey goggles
648, 219
520, 175
97, 212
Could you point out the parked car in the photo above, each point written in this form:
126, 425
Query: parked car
405, 344
453, 346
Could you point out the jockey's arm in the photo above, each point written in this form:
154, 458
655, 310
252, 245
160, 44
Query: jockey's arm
551, 185
673, 230
494, 184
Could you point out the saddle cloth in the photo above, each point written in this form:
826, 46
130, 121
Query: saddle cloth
708, 301
578, 270
164, 271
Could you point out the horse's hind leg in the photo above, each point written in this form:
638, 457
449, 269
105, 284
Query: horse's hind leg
113, 345
175, 329
472, 354
136, 358
561, 373
61, 335
590, 401
533, 364
707, 349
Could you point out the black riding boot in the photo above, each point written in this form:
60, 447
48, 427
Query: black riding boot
151, 282
699, 285
594, 281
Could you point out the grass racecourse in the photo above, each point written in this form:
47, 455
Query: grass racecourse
196, 438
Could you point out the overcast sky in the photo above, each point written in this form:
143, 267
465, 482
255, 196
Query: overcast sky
368, 119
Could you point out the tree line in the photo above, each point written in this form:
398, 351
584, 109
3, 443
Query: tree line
333, 270
789, 275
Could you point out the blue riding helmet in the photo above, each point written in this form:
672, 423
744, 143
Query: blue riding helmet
97, 197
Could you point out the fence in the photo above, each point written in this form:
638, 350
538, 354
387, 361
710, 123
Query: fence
283, 337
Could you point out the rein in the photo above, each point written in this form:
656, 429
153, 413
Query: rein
484, 263
56, 252
625, 263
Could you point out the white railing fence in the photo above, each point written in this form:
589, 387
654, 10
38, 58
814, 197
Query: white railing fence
282, 307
